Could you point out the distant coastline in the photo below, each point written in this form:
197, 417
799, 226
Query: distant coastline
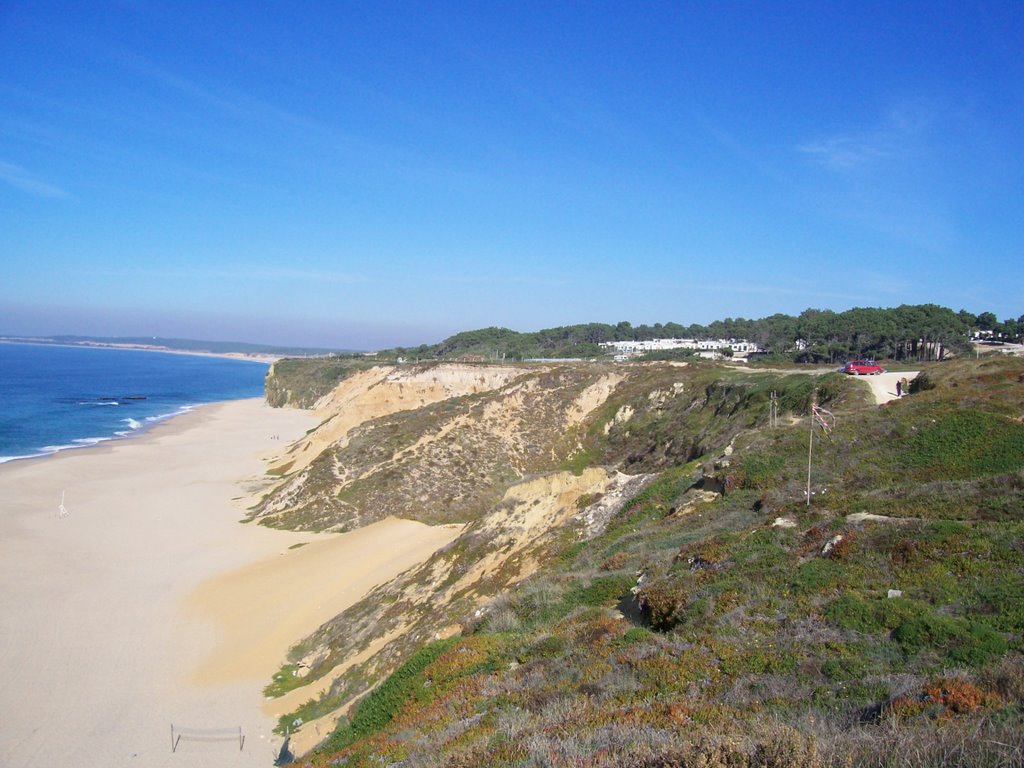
227, 350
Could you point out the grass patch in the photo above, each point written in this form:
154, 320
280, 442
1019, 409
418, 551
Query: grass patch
916, 627
287, 679
967, 444
386, 700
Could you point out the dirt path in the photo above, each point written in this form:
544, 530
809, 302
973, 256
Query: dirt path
883, 385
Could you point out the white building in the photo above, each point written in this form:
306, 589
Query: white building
626, 349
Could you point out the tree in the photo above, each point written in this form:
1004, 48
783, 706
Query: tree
987, 321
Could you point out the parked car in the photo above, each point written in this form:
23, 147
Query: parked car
863, 368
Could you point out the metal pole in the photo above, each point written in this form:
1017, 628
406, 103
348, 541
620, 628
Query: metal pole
810, 445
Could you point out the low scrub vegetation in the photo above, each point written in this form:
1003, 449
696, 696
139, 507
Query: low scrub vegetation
880, 625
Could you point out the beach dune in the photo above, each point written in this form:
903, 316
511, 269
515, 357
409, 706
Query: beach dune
148, 604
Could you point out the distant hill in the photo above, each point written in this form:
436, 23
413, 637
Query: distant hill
177, 345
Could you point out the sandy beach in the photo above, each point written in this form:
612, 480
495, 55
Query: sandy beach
148, 603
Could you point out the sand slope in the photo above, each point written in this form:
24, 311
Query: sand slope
101, 645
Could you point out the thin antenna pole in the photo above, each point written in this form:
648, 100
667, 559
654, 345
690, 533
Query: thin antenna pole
810, 445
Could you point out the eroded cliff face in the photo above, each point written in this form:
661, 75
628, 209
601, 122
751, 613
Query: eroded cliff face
439, 443
484, 447
383, 390
458, 583
526, 459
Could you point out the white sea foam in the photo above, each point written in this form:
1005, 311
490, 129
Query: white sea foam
165, 416
133, 425
83, 442
54, 448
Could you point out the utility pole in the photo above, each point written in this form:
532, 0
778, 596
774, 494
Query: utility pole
826, 421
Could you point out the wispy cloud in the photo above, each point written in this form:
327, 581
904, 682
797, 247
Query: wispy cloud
19, 178
893, 139
844, 153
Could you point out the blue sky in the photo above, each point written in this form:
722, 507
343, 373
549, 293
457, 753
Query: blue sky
371, 174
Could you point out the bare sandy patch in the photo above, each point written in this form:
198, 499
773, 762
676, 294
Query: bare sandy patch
98, 653
883, 385
261, 609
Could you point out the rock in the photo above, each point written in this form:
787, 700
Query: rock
692, 499
615, 495
784, 522
641, 581
831, 544
698, 563
895, 593
624, 414
862, 517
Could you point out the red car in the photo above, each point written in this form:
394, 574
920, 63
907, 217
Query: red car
863, 368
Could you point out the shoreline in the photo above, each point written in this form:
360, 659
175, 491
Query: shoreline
100, 434
101, 642
146, 427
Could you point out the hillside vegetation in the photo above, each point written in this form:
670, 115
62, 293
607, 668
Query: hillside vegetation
640, 580
907, 332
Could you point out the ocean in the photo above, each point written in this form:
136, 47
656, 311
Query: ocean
58, 398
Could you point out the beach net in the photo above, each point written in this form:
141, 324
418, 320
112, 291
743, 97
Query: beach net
179, 732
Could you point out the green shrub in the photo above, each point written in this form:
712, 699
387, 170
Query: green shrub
963, 642
927, 631
817, 575
549, 647
873, 616
635, 635
604, 590
921, 383
661, 601
761, 470
382, 704
980, 644
844, 668
1003, 602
